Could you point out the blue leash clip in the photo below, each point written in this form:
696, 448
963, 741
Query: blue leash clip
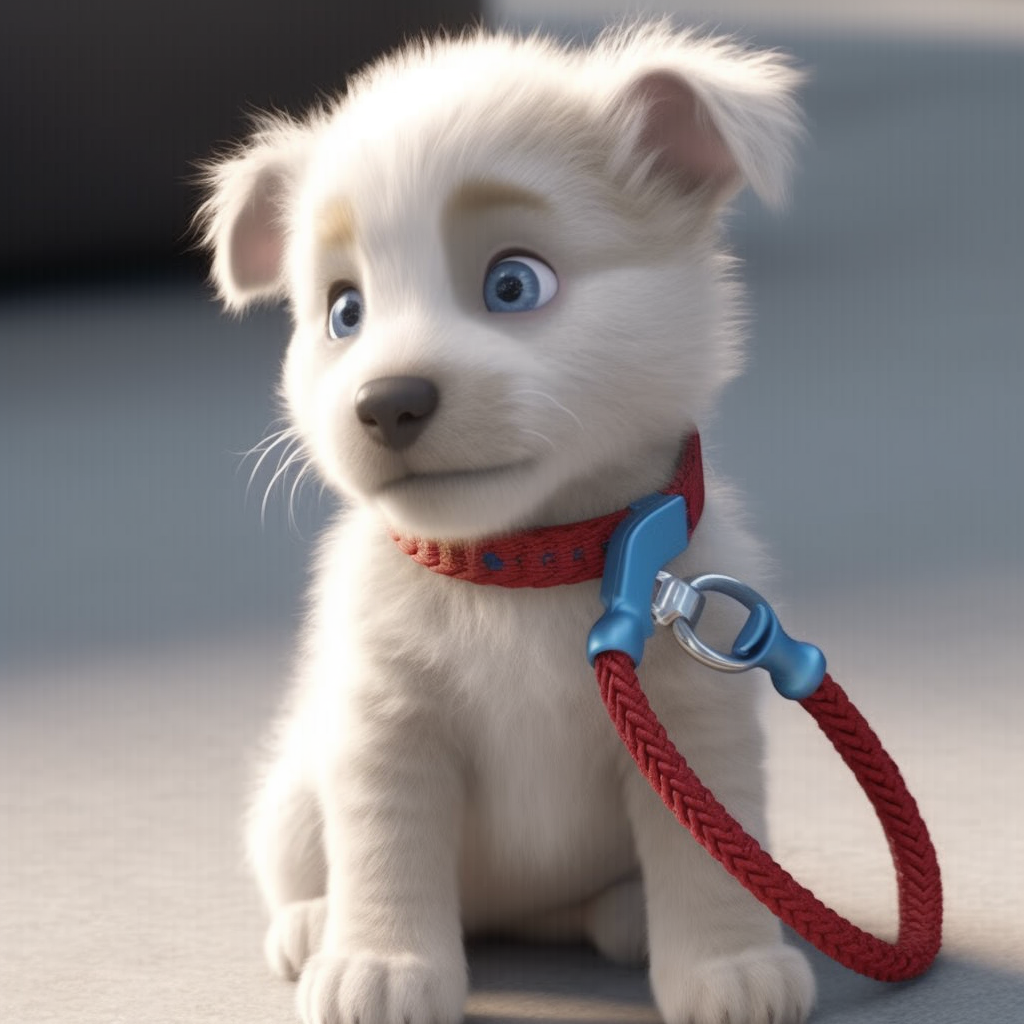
653, 533
636, 593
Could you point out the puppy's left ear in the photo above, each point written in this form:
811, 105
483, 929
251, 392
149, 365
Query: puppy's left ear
243, 221
708, 115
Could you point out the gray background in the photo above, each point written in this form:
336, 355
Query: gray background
145, 610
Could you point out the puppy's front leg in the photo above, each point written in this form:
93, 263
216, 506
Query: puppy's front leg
716, 954
391, 796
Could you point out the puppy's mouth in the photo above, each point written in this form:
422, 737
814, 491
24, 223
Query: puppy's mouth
452, 477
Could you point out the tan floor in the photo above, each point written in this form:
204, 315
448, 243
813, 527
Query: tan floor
123, 898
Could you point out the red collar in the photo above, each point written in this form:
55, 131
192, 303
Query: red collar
551, 555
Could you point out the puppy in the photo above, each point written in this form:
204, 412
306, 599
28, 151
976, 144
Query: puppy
511, 305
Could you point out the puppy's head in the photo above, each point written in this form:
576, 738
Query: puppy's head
502, 261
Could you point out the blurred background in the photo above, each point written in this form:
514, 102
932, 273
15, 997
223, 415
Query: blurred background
148, 598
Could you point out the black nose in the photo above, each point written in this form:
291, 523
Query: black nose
395, 410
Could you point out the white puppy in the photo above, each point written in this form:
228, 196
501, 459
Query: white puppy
511, 304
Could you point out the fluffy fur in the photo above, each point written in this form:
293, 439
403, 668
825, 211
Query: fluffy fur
444, 765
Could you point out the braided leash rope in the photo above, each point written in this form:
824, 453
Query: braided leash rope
695, 807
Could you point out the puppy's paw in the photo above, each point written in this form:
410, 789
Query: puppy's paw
294, 936
765, 985
366, 988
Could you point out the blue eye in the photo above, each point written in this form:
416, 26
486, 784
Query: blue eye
518, 283
346, 315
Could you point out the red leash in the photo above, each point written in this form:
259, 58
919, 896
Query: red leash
917, 869
555, 555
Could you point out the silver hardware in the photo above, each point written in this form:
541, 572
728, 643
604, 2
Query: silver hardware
681, 602
676, 599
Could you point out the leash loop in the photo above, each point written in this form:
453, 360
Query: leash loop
648, 537
695, 807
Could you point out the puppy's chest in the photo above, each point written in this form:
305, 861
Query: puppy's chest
519, 660
541, 757
506, 670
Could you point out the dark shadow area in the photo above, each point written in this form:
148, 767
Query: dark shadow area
109, 105
522, 967
513, 983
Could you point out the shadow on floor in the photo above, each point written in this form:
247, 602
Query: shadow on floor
513, 983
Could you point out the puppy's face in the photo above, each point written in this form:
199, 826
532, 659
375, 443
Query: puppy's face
497, 293
479, 324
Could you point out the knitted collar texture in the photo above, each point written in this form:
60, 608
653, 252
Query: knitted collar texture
550, 556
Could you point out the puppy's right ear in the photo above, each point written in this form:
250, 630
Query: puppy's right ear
243, 221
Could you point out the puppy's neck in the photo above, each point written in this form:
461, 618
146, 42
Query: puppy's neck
610, 489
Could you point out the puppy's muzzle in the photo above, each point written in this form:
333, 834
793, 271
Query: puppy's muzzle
394, 410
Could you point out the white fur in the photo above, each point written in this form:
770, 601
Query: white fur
444, 764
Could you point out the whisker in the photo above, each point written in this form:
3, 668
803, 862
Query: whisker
296, 489
288, 448
272, 441
258, 446
554, 401
543, 437
299, 453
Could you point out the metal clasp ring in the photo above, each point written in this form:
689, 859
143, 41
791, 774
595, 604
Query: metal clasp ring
679, 604
796, 668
